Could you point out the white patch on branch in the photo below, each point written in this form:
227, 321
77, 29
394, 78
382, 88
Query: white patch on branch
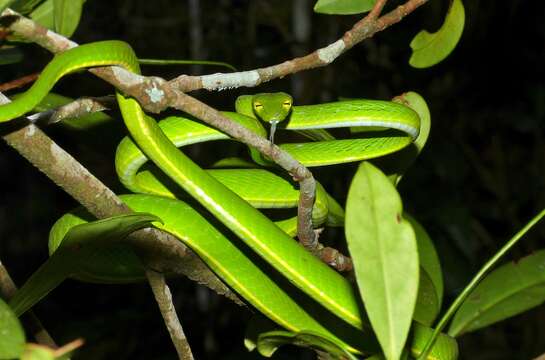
331, 52
222, 81
30, 130
59, 39
155, 94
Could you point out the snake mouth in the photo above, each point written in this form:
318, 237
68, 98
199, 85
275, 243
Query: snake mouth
277, 118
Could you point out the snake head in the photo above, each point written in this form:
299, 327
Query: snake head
272, 107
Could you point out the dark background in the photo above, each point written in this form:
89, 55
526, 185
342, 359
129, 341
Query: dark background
478, 181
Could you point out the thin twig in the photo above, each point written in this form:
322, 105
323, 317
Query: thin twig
170, 94
161, 250
20, 82
31, 321
155, 94
299, 172
363, 29
163, 297
81, 107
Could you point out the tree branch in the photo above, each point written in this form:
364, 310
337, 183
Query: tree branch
31, 321
17, 83
164, 301
155, 94
171, 94
363, 29
162, 251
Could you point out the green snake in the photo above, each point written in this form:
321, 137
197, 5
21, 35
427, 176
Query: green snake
316, 282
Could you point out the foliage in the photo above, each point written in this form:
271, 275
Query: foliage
405, 282
13, 338
343, 7
430, 49
383, 247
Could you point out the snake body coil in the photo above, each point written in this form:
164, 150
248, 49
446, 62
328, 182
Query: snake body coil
268, 293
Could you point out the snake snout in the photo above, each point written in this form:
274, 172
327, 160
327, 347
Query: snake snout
276, 118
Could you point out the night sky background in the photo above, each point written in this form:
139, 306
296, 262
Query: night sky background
478, 181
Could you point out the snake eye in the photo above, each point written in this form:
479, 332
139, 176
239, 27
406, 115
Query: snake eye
258, 105
287, 103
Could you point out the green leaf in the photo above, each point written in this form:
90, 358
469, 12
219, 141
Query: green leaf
12, 337
41, 352
38, 352
116, 263
431, 48
10, 55
427, 304
429, 261
343, 7
78, 247
269, 342
396, 164
44, 14
416, 102
509, 290
384, 251
445, 347
5, 4
24, 6
67, 16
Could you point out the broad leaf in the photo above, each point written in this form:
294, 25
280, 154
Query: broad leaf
427, 304
445, 347
67, 15
79, 245
38, 352
343, 7
24, 6
384, 251
416, 102
509, 290
5, 4
429, 261
41, 352
44, 14
267, 337
269, 342
396, 164
12, 337
431, 48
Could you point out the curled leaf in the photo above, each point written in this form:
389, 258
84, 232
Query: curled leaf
269, 342
78, 248
431, 48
